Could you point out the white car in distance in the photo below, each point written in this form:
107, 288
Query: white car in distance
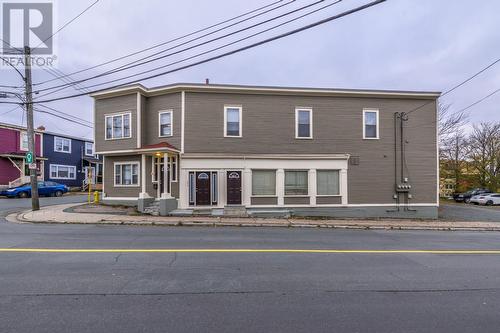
488, 199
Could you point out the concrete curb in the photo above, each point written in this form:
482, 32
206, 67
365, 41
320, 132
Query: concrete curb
19, 217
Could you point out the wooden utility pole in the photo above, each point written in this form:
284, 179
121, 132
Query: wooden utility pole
35, 204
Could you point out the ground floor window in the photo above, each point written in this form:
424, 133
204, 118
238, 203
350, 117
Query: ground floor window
62, 171
263, 182
327, 182
296, 182
127, 174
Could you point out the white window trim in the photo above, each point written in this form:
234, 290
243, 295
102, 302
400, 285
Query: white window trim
171, 123
138, 173
93, 151
57, 172
364, 127
114, 115
310, 110
275, 195
62, 151
171, 163
21, 133
240, 109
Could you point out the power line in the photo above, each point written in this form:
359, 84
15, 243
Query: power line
138, 62
206, 52
460, 84
68, 23
265, 41
168, 41
62, 117
11, 110
66, 114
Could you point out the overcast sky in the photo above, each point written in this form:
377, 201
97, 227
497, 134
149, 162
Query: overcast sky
400, 44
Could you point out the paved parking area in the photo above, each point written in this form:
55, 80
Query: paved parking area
468, 212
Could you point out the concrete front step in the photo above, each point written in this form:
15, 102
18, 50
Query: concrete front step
236, 211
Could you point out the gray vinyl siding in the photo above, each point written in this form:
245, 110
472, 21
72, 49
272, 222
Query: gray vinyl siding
296, 200
109, 178
269, 128
156, 104
103, 107
328, 200
264, 200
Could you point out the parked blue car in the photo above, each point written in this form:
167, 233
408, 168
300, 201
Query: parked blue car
48, 189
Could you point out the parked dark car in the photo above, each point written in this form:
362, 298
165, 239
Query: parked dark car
48, 189
465, 197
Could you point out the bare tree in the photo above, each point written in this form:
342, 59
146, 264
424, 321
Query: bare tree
453, 154
450, 122
484, 153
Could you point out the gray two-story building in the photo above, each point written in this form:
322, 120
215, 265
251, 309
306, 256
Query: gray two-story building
299, 151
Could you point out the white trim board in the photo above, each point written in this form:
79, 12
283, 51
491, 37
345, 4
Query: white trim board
240, 118
160, 113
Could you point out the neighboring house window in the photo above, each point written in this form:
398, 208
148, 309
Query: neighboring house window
127, 174
232, 121
62, 171
118, 126
303, 123
327, 182
62, 145
89, 149
370, 124
263, 182
165, 123
23, 141
296, 183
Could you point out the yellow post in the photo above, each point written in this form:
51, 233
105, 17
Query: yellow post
89, 181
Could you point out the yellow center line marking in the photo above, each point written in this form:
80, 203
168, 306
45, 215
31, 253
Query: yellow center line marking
45, 250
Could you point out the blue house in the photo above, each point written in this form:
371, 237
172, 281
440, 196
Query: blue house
71, 161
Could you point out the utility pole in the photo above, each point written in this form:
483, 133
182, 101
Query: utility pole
35, 204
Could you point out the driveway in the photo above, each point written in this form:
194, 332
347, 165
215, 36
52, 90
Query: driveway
465, 212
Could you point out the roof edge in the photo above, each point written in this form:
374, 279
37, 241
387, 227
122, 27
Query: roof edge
250, 89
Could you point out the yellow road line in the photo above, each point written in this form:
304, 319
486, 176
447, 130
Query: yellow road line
43, 250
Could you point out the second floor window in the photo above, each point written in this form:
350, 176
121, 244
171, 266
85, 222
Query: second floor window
118, 126
62, 145
370, 124
303, 123
232, 121
166, 123
89, 149
24, 141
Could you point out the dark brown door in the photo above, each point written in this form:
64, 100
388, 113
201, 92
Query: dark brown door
233, 187
203, 188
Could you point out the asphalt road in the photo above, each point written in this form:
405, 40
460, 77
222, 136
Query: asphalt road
244, 292
469, 212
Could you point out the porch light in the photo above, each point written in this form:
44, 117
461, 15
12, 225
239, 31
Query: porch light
158, 154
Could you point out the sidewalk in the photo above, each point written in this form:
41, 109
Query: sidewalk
62, 214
